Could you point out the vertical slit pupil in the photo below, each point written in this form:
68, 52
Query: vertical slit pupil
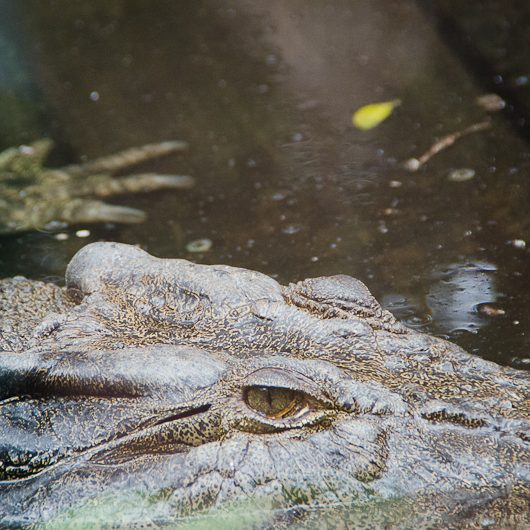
273, 402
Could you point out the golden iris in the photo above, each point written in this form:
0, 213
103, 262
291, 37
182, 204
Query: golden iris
273, 402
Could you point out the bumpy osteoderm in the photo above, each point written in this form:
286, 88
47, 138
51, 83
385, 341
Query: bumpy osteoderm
147, 391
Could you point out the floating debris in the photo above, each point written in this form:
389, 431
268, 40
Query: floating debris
372, 115
382, 228
520, 362
61, 236
491, 102
461, 175
82, 233
490, 310
199, 245
413, 164
517, 243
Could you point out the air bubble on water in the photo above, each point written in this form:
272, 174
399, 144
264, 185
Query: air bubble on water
199, 245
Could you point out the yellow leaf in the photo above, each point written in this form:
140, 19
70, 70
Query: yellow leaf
372, 115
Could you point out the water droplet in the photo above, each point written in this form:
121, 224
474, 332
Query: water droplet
291, 229
382, 228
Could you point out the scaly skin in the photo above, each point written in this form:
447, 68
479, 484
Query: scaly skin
32, 196
149, 390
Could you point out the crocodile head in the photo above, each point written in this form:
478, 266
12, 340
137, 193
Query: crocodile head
160, 389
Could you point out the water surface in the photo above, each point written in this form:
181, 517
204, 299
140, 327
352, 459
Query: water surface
264, 93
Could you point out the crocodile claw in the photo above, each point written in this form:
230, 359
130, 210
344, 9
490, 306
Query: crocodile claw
97, 211
154, 182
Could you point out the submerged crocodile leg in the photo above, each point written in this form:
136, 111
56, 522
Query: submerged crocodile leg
104, 186
123, 159
95, 177
88, 211
37, 151
74, 211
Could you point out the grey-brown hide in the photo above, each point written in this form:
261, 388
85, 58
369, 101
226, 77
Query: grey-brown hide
136, 381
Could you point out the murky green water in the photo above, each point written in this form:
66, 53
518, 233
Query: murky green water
264, 93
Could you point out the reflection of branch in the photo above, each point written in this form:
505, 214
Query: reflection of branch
413, 164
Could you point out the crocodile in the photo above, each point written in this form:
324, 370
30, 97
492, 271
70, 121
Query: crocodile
34, 197
148, 392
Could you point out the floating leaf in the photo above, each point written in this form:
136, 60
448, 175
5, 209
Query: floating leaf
372, 115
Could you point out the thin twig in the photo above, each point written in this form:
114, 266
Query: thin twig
413, 164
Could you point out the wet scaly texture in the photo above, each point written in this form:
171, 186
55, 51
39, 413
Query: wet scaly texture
149, 390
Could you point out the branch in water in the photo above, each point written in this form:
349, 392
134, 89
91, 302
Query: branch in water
413, 164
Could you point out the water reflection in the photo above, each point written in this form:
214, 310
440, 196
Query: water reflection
460, 290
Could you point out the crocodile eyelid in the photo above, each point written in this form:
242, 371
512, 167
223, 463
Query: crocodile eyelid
273, 409
279, 398
279, 377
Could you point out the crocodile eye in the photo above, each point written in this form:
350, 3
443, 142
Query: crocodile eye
276, 402
274, 399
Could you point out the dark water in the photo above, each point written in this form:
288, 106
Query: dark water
264, 93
